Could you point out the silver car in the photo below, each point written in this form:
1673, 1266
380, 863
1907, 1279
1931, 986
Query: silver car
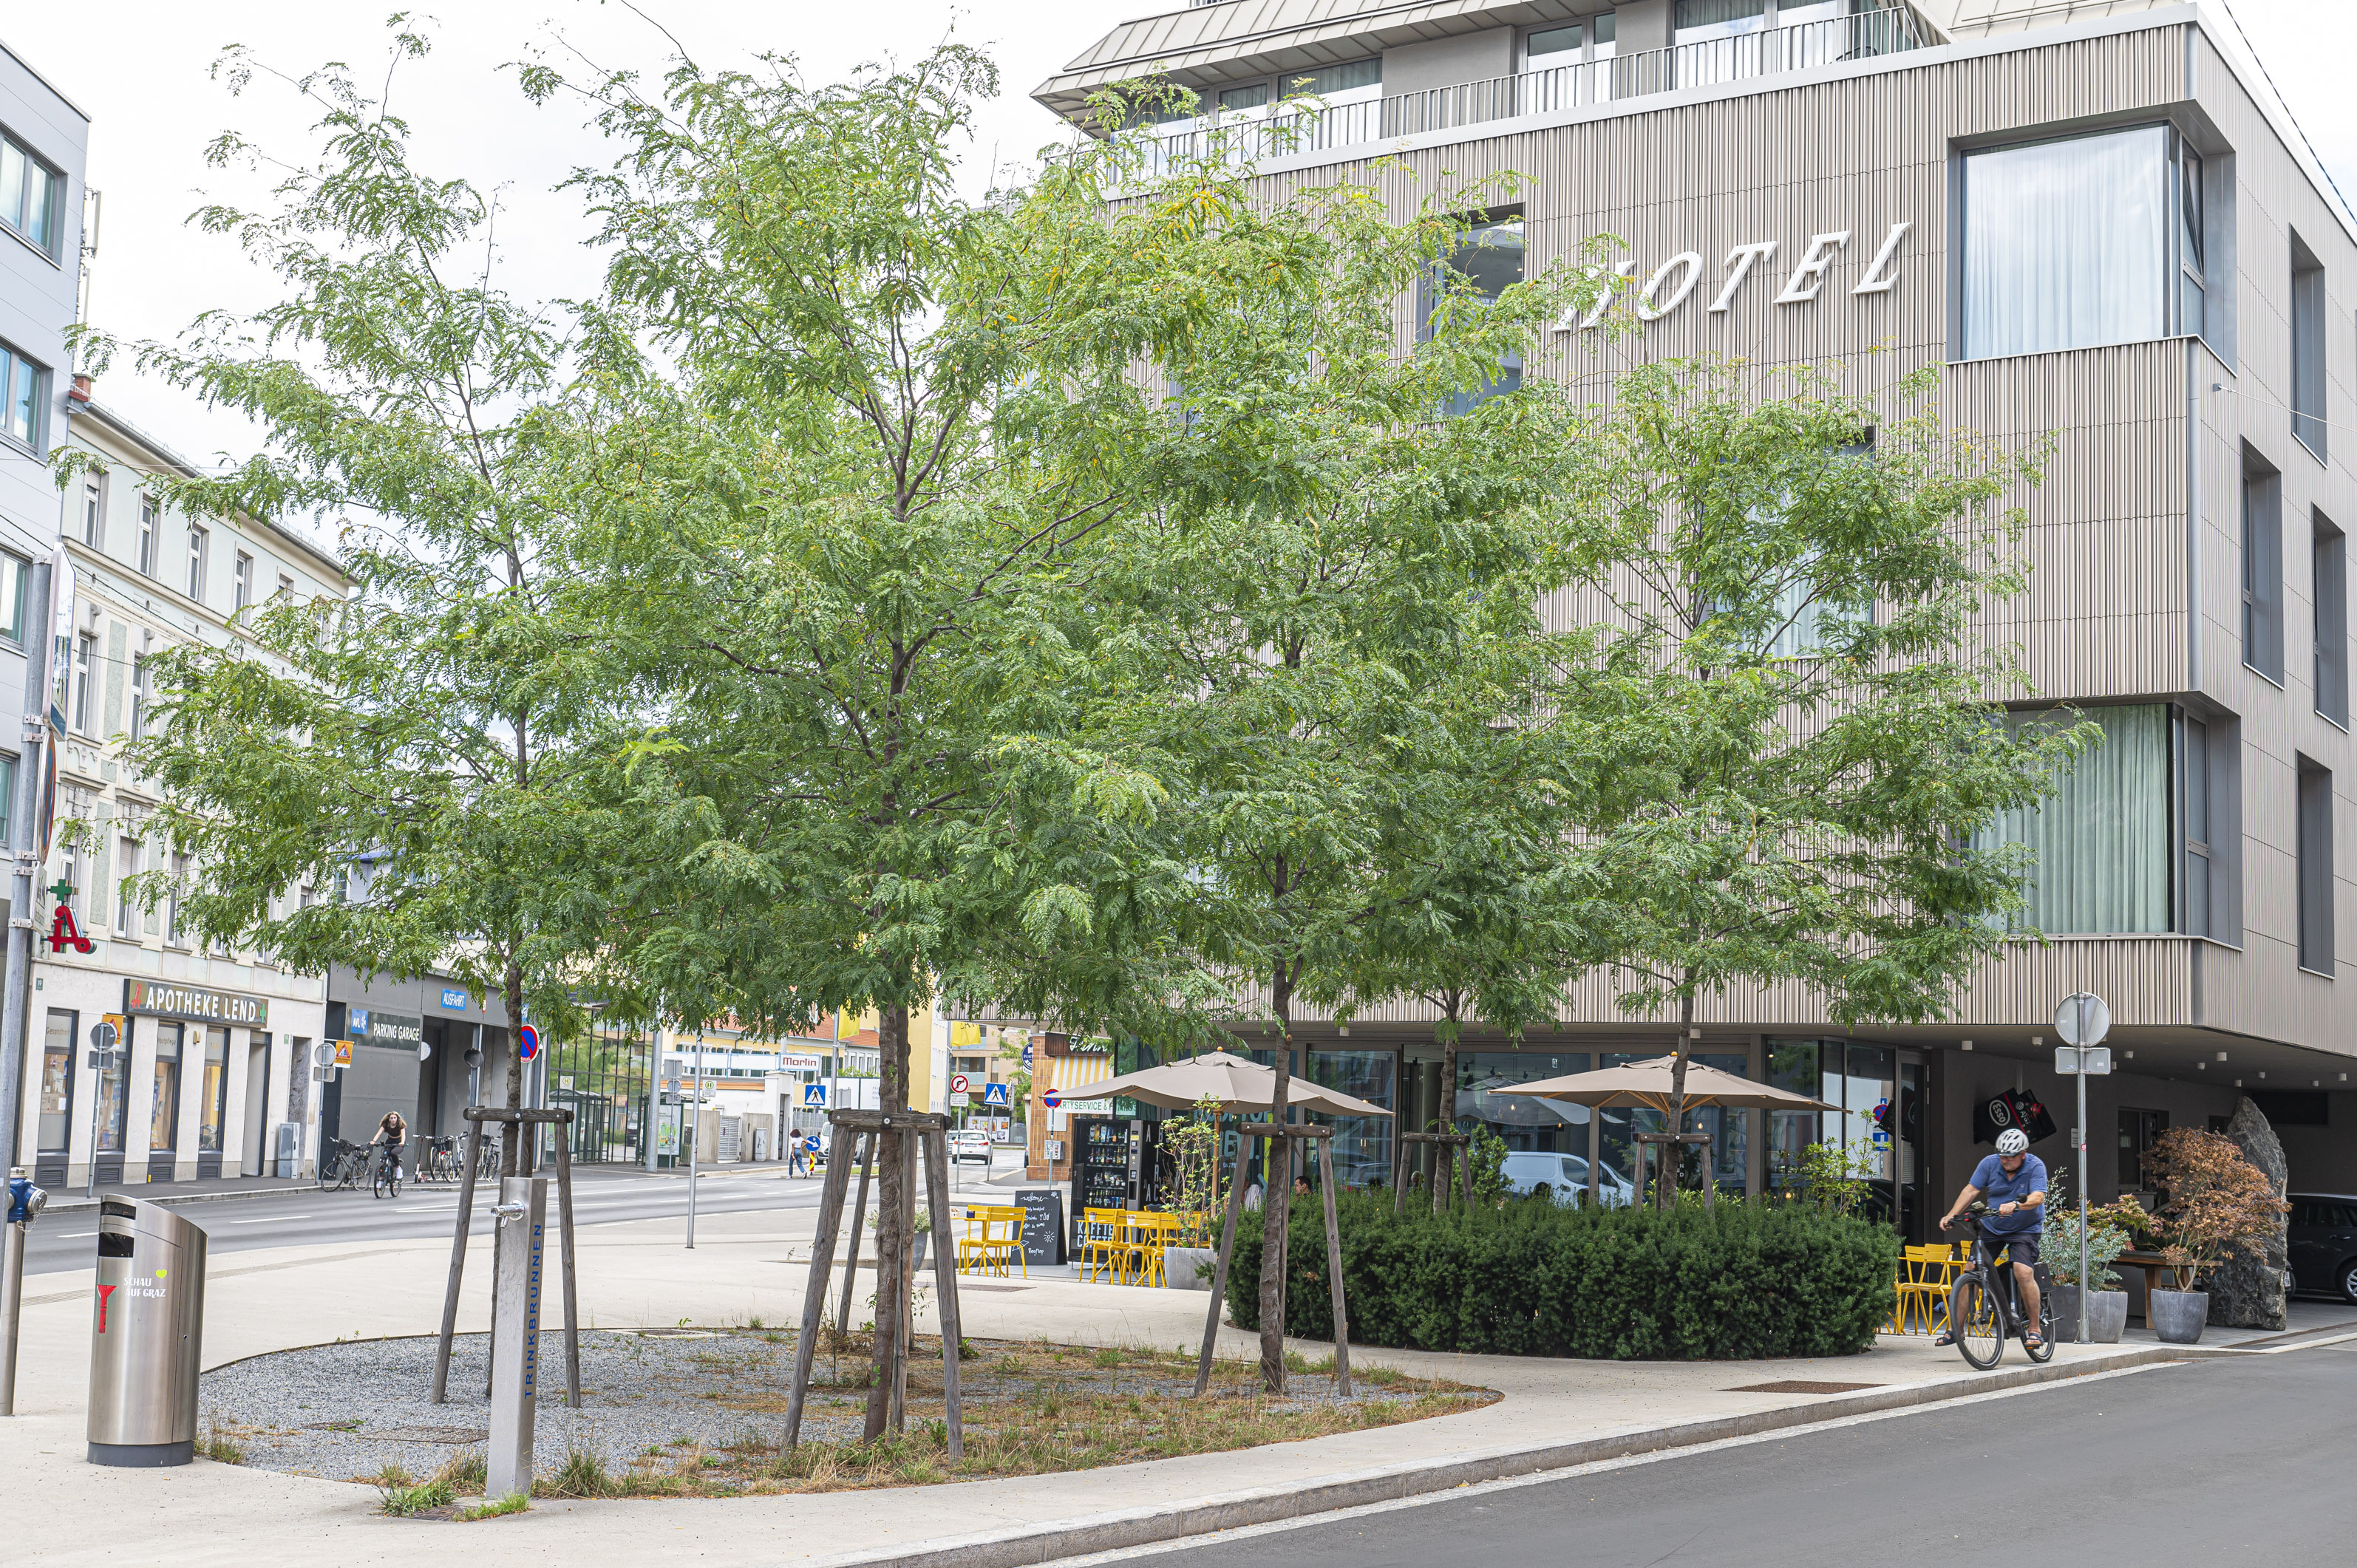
1566, 1176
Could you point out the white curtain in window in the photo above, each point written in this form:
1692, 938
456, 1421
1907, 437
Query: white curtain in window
2102, 838
2066, 243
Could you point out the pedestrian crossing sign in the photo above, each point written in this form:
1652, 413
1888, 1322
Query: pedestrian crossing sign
814, 1094
994, 1094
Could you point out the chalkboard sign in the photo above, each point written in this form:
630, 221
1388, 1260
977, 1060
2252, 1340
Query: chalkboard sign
1043, 1225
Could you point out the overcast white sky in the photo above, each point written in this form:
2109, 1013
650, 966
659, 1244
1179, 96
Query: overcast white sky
140, 70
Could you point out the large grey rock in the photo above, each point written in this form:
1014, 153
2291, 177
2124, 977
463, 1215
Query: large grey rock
2248, 1293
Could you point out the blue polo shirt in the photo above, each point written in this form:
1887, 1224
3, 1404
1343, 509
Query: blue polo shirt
1996, 1188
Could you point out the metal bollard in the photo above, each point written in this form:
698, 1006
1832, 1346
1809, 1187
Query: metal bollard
522, 1212
26, 1202
146, 1344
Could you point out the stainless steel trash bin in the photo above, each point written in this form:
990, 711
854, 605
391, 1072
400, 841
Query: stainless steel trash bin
146, 1336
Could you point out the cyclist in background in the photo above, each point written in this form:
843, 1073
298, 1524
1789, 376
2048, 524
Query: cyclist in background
392, 1132
2013, 1181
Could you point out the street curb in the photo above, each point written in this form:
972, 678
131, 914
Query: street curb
1129, 1528
90, 1205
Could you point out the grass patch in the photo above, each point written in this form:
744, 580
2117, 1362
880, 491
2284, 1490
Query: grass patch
582, 1474
514, 1502
407, 1501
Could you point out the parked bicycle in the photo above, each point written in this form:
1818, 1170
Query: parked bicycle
342, 1165
440, 1160
1985, 1304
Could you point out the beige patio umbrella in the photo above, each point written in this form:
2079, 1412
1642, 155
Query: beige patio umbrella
1645, 1085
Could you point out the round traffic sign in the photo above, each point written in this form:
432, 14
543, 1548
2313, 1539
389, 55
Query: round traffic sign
2082, 1018
527, 1042
1054, 1098
957, 1083
101, 1035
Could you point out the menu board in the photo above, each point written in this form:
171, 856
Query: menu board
1043, 1225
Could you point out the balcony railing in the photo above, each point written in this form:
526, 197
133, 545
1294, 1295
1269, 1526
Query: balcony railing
1255, 137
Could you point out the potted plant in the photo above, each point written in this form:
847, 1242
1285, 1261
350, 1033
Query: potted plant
2215, 1205
2110, 1227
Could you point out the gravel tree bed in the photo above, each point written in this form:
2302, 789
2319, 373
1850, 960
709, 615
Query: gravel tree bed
699, 1412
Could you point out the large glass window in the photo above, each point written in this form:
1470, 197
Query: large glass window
163, 1109
2315, 856
2102, 838
31, 196
55, 1133
2307, 347
1730, 1130
2197, 828
2329, 584
1485, 1098
2262, 612
1491, 257
1358, 81
213, 1113
1699, 21
1361, 1145
24, 396
2069, 244
15, 585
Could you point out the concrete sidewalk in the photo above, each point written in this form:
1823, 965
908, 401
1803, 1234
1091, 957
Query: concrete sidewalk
747, 1264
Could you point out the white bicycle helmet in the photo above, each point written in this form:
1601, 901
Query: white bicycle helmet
2013, 1140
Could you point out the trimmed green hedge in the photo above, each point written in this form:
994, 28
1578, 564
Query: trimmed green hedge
1744, 1280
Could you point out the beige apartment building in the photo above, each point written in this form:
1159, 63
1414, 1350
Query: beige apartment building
217, 1083
2098, 221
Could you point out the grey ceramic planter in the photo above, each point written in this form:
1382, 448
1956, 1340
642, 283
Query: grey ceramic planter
1179, 1263
2107, 1314
2177, 1315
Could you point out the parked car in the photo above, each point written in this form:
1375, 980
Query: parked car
1565, 1177
2322, 1235
970, 1144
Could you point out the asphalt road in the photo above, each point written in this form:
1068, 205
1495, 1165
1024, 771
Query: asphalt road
2222, 1463
70, 1240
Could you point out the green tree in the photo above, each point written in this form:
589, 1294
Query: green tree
413, 755
1798, 695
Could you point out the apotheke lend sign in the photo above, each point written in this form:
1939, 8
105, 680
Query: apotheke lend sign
163, 999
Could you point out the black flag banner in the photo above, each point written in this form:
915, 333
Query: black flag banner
2014, 1108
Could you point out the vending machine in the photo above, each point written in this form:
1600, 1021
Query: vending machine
1117, 1164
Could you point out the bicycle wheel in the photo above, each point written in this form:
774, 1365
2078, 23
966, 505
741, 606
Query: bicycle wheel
2044, 1350
1975, 1319
332, 1171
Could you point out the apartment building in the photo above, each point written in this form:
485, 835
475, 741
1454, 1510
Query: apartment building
218, 1040
2097, 221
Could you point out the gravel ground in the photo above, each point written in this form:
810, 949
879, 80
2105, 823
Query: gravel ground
344, 1410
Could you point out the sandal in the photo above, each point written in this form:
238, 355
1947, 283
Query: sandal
2031, 1339
1947, 1336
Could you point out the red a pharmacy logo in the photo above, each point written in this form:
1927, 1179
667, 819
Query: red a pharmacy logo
104, 1291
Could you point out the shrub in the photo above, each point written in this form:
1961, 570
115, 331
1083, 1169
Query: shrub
1746, 1280
2217, 1205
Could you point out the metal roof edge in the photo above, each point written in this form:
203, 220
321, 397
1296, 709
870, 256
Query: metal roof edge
33, 71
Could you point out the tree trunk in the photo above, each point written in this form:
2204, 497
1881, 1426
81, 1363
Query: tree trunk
891, 1223
1673, 1154
1277, 1202
512, 1135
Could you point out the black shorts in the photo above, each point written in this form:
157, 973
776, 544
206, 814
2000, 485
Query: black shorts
2021, 1249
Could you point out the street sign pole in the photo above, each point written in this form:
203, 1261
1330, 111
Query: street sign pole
2082, 1020
694, 1137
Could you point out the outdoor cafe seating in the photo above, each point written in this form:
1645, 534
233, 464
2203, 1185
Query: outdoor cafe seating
993, 1239
1925, 1276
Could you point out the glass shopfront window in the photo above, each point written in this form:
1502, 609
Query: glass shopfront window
213, 1108
163, 1109
55, 1133
606, 1080
1730, 1131
1486, 1099
1362, 1144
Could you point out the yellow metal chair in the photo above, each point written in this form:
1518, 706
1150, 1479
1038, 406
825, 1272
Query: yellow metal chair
1925, 1275
1148, 1232
993, 1239
1102, 1231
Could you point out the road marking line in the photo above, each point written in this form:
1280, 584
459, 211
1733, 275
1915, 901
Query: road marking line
1510, 1483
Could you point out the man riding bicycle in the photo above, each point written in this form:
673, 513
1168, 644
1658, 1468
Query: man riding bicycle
2013, 1183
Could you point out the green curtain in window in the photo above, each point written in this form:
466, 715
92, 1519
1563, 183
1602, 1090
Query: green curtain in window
2102, 838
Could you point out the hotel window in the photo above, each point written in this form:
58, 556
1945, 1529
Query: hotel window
126, 899
242, 584
148, 513
1241, 99
1490, 257
2329, 568
85, 686
31, 196
2315, 809
2198, 858
2306, 347
93, 512
2263, 635
1552, 47
2072, 243
200, 542
24, 396
1360, 81
2101, 840
15, 585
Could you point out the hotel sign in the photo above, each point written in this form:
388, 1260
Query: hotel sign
161, 999
1673, 282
